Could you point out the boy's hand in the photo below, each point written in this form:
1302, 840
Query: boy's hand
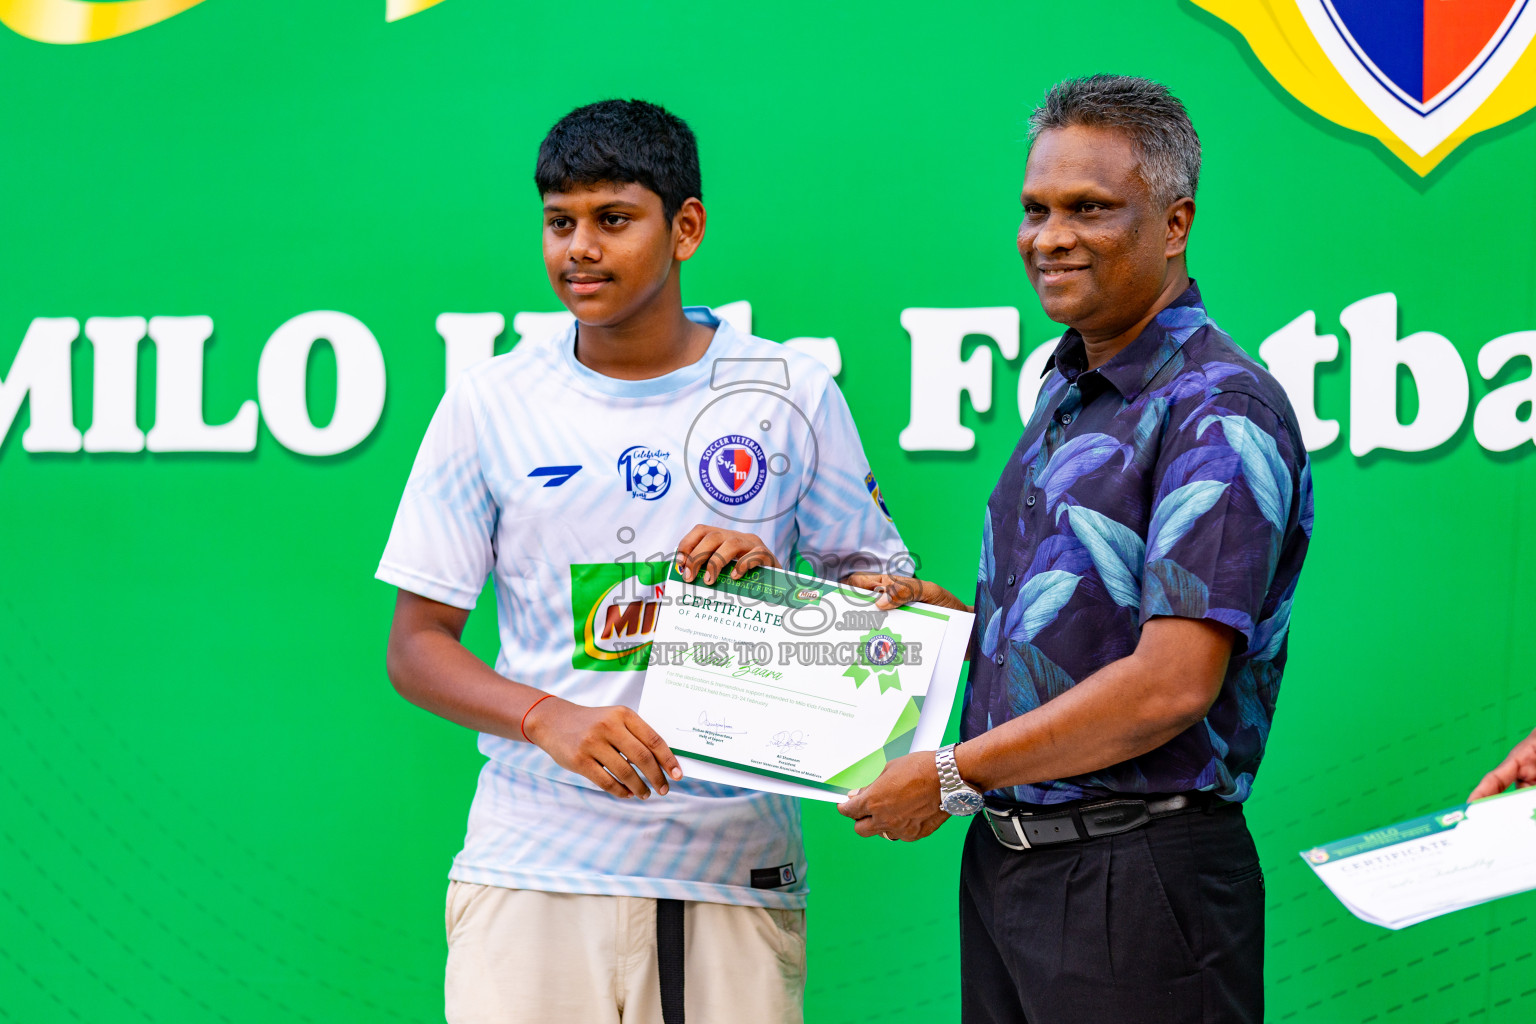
710, 549
896, 591
612, 746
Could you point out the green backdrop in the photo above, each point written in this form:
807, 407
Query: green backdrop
214, 807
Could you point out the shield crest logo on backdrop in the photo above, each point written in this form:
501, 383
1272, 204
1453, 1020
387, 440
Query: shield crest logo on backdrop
1420, 75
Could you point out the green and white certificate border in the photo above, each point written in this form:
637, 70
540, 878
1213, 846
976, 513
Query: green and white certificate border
922, 723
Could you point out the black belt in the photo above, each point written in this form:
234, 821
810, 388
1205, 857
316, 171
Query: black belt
1023, 830
669, 958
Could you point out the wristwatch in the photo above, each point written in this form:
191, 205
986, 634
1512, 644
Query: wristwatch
955, 797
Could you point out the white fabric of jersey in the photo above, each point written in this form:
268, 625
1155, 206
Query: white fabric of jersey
755, 437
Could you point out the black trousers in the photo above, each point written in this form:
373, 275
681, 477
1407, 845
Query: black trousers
1162, 925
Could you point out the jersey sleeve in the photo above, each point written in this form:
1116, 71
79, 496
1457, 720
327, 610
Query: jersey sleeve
441, 545
842, 520
1228, 495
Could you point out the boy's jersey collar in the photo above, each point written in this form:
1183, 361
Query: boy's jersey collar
685, 376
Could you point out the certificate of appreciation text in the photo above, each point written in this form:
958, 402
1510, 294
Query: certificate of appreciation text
798, 685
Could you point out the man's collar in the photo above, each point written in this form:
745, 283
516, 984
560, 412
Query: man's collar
1131, 369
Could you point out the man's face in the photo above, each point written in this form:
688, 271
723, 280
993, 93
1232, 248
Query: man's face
1095, 246
608, 249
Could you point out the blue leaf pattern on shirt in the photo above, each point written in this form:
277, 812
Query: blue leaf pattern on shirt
1182, 321
993, 620
1044, 676
1306, 498
1078, 457
1269, 634
1267, 475
1060, 551
1171, 589
1177, 512
1208, 462
988, 568
1116, 551
1148, 424
1238, 620
1038, 602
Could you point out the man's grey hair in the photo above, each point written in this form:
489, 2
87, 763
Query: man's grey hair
1145, 112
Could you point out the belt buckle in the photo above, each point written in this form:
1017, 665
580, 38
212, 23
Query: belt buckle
1012, 818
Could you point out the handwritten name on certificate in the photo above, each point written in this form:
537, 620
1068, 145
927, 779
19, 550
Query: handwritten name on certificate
1456, 858
797, 685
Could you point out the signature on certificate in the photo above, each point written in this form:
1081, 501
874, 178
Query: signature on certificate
789, 739
717, 723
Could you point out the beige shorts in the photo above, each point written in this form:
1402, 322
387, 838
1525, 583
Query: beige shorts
518, 955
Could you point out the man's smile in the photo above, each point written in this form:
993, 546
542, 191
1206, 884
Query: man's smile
1058, 273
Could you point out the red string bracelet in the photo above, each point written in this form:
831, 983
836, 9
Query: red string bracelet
524, 722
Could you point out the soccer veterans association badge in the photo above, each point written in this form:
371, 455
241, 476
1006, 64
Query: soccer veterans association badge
881, 655
1422, 76
732, 469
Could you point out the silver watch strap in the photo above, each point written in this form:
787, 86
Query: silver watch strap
949, 772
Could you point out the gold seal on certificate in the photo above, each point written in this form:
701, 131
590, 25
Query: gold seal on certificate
797, 685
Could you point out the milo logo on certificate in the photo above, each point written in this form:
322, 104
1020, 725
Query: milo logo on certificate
614, 607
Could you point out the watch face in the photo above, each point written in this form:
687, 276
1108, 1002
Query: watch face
961, 802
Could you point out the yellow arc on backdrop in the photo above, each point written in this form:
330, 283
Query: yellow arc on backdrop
79, 21
397, 9
1285, 45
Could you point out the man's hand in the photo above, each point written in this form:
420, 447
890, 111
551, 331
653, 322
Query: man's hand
710, 549
1519, 767
896, 591
612, 746
903, 803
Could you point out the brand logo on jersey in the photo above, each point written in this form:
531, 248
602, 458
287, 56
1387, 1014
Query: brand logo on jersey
645, 472
874, 492
772, 878
733, 469
557, 474
1420, 75
614, 606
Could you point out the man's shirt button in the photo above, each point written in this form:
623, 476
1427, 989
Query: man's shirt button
1066, 418
999, 660
1030, 501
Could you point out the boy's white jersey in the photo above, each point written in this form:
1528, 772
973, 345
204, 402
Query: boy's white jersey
571, 490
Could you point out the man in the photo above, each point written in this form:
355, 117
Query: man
568, 471
1518, 769
1139, 561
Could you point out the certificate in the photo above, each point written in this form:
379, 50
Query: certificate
797, 685
1413, 871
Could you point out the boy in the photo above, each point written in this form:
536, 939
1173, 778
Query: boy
568, 471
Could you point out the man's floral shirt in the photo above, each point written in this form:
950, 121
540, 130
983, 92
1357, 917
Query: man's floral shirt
1170, 481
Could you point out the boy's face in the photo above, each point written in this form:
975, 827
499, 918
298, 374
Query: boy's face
609, 250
